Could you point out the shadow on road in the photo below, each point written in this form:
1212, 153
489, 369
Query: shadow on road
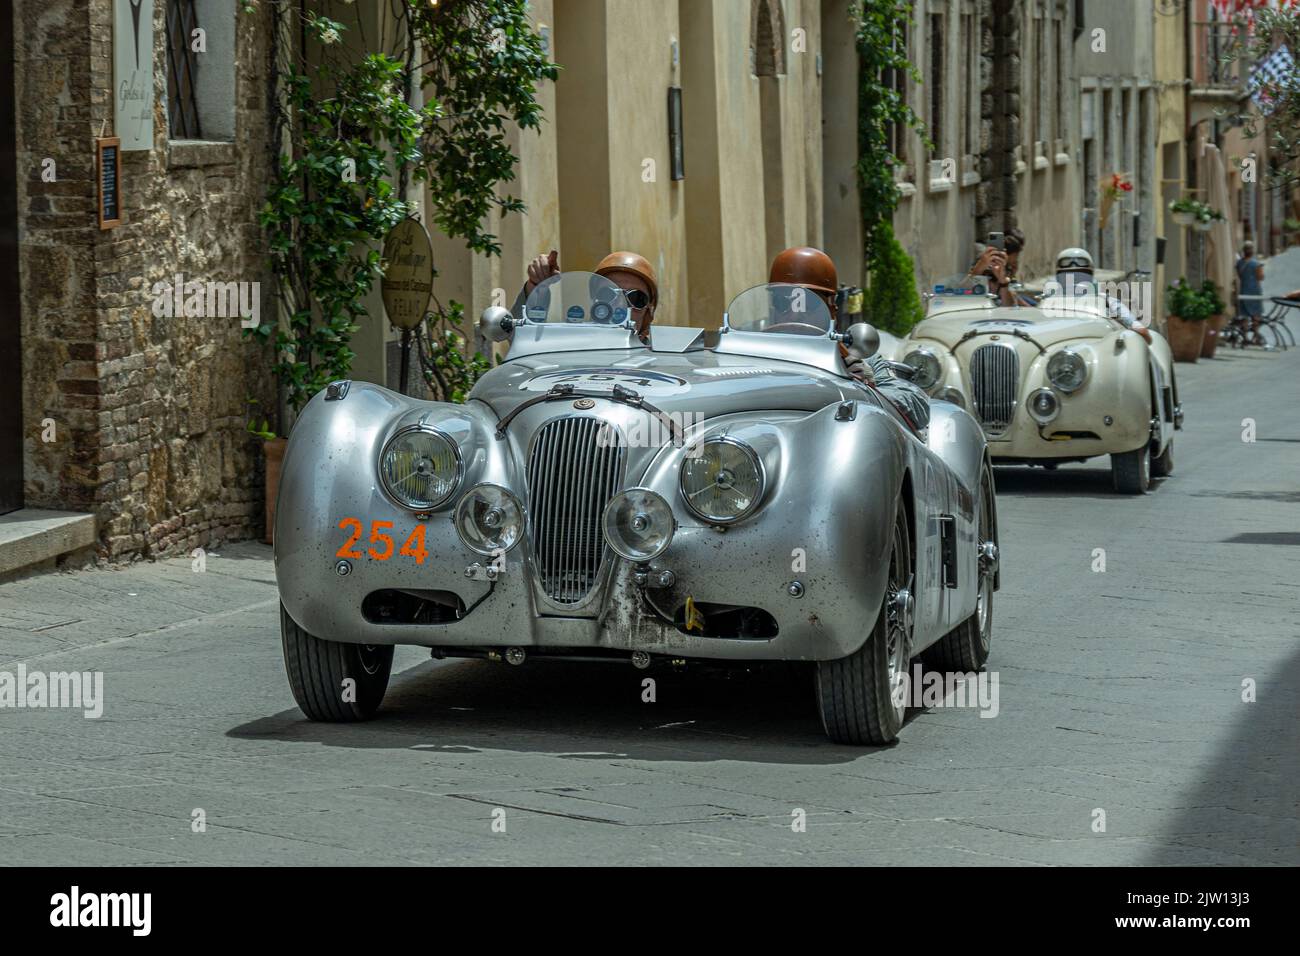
1077, 481
575, 709
1251, 783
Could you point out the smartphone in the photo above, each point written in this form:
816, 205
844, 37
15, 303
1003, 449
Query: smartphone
998, 241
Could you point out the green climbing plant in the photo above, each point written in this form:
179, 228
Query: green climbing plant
880, 29
354, 127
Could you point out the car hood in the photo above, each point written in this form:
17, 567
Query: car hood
702, 382
1045, 328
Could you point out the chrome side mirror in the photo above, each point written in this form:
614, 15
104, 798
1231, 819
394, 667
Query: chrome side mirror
862, 340
496, 324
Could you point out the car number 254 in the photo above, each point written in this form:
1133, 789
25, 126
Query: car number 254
413, 547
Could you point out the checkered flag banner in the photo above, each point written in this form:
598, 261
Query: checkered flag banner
1274, 72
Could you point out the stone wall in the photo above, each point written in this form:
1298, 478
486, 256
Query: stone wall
150, 412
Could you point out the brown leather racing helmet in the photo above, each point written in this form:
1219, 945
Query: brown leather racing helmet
633, 263
805, 266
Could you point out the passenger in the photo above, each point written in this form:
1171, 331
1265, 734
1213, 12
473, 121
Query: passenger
1001, 266
814, 270
629, 271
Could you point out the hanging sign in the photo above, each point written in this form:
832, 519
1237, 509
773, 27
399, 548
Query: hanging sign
407, 285
133, 73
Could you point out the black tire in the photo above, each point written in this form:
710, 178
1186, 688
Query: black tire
861, 697
1131, 471
318, 668
965, 648
1163, 466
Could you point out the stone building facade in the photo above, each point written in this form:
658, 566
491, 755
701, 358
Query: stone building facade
999, 98
137, 419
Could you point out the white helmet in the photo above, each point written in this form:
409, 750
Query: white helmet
1074, 260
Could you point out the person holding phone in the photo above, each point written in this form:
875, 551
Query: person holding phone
1000, 263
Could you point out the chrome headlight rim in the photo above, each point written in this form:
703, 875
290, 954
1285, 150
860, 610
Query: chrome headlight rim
464, 501
456, 483
644, 557
1041, 419
927, 354
1067, 353
757, 461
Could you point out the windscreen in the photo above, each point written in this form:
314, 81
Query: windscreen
578, 298
780, 308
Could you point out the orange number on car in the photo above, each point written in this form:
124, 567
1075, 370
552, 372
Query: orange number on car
414, 547
376, 528
346, 551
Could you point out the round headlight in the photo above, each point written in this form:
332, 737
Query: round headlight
1044, 405
638, 524
489, 519
724, 482
419, 468
1066, 370
927, 367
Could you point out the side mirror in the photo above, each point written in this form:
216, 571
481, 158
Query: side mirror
496, 324
862, 340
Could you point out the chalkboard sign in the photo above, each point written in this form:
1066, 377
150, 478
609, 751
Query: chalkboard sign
108, 153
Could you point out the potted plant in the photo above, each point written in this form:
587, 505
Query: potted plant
1183, 210
273, 450
1218, 317
1188, 309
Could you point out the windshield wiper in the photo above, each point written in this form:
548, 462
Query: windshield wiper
620, 394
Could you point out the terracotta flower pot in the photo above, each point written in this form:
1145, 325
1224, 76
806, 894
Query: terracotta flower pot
1214, 327
1185, 338
274, 449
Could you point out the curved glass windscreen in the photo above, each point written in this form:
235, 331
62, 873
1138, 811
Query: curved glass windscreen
780, 308
578, 298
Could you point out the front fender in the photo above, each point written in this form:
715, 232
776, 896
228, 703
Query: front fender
825, 523
329, 475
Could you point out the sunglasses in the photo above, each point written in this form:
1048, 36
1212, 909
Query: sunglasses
637, 298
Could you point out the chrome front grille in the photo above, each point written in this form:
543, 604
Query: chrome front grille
574, 468
995, 383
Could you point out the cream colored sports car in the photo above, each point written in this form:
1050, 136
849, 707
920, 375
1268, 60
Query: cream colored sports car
1060, 382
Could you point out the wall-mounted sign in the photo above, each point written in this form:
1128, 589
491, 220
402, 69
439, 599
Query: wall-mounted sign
407, 285
108, 172
133, 73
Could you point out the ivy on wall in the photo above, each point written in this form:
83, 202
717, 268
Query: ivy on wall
352, 134
881, 26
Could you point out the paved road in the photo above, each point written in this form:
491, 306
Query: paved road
1120, 691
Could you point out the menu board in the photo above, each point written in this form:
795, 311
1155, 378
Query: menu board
108, 165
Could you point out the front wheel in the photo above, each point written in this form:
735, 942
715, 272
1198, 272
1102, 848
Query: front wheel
330, 680
863, 697
1131, 471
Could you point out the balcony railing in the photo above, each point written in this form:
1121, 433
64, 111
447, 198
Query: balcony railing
1213, 64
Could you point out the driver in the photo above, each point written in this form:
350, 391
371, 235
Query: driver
1074, 268
814, 270
629, 271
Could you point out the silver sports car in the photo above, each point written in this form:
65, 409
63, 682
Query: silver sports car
729, 495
